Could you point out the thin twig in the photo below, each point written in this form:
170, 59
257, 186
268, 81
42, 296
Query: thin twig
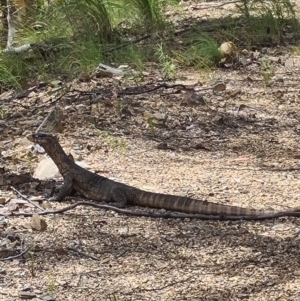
53, 101
216, 5
61, 96
128, 43
26, 199
124, 92
16, 256
282, 169
81, 253
269, 215
164, 85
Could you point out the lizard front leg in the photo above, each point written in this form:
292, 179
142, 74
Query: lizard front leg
65, 190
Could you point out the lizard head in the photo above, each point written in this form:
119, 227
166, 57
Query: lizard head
41, 139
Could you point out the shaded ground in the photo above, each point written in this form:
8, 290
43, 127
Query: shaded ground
238, 146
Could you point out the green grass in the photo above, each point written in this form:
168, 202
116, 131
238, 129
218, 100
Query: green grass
7, 78
85, 33
133, 55
168, 67
202, 53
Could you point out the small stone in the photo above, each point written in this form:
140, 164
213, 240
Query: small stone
228, 48
219, 87
46, 205
46, 169
26, 288
38, 223
159, 116
27, 295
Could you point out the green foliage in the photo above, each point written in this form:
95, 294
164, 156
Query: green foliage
133, 55
279, 9
51, 284
3, 112
295, 50
80, 34
167, 64
32, 263
269, 18
267, 70
203, 53
88, 18
151, 12
150, 121
7, 78
82, 58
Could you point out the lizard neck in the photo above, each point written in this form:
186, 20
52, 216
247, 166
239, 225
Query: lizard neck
58, 155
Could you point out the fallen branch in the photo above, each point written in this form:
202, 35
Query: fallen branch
214, 5
26, 199
159, 215
83, 254
124, 92
16, 256
109, 93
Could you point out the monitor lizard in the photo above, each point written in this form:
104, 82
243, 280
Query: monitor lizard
99, 188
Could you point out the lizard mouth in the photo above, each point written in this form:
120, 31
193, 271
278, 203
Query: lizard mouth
40, 138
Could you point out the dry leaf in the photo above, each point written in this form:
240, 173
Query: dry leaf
219, 87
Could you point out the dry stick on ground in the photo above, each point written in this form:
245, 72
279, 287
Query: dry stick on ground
202, 5
155, 215
16, 256
26, 199
182, 87
124, 92
81, 253
52, 102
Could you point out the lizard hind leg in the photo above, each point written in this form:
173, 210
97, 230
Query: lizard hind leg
119, 198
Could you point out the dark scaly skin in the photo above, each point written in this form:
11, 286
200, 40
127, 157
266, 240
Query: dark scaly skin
98, 188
